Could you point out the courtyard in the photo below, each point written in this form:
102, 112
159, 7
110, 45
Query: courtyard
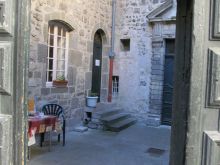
136, 145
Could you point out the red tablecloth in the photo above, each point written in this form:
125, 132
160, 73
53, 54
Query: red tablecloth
41, 123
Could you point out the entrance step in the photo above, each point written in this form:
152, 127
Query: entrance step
113, 118
105, 113
120, 125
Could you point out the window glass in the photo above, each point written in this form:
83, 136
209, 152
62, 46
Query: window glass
57, 52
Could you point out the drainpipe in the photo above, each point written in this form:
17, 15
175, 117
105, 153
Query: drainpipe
111, 53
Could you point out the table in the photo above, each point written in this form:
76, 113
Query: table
41, 124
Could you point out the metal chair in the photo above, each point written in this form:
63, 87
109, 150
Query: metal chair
56, 110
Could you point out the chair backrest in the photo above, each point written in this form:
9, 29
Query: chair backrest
53, 109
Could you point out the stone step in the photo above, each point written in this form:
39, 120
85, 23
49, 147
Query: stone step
123, 124
114, 118
105, 113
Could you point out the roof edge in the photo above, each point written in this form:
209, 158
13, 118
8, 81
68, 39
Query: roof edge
168, 4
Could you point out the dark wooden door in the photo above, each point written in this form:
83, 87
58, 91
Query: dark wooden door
168, 83
97, 65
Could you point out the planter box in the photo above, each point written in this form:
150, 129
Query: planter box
91, 101
60, 83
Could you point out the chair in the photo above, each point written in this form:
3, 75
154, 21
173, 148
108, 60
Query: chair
56, 110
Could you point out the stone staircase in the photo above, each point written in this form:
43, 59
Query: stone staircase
112, 117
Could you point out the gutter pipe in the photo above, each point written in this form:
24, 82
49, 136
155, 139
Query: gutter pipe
112, 53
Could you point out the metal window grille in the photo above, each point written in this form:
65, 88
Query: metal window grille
115, 86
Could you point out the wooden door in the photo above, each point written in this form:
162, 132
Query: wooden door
168, 82
14, 43
97, 65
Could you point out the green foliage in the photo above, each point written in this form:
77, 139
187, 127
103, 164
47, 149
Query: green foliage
60, 78
93, 94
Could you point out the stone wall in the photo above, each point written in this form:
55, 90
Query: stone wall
134, 67
85, 17
161, 31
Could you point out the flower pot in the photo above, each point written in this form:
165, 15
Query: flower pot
60, 83
91, 101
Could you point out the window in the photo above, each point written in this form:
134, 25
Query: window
58, 44
125, 45
115, 86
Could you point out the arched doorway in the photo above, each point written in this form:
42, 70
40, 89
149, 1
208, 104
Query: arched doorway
97, 64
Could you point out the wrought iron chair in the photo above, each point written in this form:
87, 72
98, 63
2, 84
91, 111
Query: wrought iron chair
56, 110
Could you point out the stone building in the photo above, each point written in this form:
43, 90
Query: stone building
62, 41
195, 134
142, 31
67, 38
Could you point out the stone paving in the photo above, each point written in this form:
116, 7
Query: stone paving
137, 145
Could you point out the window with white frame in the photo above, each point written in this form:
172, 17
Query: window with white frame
57, 58
115, 86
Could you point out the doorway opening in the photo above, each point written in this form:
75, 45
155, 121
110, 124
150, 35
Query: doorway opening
166, 116
97, 64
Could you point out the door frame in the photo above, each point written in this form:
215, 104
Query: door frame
100, 65
20, 80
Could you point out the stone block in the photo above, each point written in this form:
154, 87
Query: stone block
45, 91
153, 120
42, 53
105, 81
70, 76
44, 77
104, 95
75, 58
59, 90
71, 90
105, 66
88, 80
157, 67
30, 74
37, 74
106, 50
6, 139
75, 103
90, 46
157, 77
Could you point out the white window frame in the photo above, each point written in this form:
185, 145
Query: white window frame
55, 54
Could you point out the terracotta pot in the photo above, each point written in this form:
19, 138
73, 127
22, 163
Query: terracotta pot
60, 83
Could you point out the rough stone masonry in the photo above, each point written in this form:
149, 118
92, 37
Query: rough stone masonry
132, 63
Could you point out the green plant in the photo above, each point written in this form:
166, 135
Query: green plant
60, 78
93, 94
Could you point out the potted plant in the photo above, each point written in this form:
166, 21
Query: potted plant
60, 81
91, 99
